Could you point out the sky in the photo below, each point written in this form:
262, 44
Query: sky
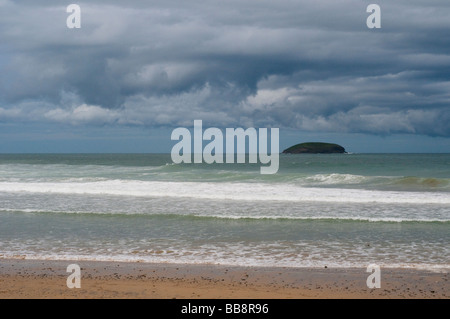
136, 70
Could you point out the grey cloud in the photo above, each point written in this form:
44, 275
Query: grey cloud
310, 65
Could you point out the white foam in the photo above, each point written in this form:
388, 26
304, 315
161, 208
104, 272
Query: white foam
332, 179
330, 217
228, 191
249, 216
246, 262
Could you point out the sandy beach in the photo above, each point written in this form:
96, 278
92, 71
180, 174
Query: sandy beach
33, 279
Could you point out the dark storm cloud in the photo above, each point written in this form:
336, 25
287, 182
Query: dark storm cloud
309, 65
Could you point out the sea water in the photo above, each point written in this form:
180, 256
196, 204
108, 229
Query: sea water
334, 210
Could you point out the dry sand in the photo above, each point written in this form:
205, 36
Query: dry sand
31, 279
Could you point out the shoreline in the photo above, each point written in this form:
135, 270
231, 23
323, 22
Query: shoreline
46, 279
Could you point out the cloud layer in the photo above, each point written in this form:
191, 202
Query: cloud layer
307, 65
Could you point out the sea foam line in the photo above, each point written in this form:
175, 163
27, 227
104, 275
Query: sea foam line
343, 218
229, 191
246, 262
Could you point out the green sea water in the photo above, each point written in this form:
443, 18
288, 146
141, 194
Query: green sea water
336, 210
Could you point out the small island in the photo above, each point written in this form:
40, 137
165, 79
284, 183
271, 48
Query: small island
315, 148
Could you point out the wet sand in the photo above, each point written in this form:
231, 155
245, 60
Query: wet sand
33, 279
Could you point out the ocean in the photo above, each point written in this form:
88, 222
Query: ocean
333, 210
